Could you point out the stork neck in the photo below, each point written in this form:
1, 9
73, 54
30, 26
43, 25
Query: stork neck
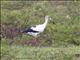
45, 23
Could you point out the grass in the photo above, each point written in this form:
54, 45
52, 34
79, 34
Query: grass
20, 52
59, 41
16, 52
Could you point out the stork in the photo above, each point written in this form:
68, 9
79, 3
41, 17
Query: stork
37, 29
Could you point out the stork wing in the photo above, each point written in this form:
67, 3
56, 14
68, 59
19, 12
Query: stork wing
39, 28
34, 26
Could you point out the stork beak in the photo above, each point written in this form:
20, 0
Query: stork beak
50, 18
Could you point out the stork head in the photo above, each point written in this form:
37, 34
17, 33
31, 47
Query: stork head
47, 17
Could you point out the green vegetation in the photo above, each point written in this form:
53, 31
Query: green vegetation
39, 53
59, 41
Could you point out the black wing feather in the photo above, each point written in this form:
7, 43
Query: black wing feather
29, 30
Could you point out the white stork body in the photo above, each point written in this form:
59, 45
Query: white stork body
35, 30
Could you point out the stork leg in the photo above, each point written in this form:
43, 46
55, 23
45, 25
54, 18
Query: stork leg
34, 42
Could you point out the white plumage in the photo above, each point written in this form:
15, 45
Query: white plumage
35, 30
